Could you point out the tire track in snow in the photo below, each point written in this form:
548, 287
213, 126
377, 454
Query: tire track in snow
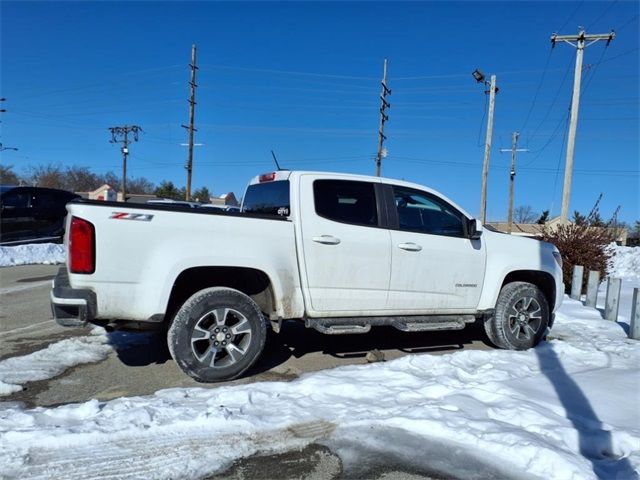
161, 454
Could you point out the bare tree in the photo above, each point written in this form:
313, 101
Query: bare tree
111, 179
50, 176
524, 214
8, 176
81, 179
140, 185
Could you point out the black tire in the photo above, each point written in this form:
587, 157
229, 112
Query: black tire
202, 339
521, 317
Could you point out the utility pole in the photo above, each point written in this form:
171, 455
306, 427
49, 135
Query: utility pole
190, 128
512, 174
487, 149
121, 135
582, 41
383, 118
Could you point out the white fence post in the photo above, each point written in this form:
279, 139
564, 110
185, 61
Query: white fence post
592, 289
613, 299
576, 282
634, 327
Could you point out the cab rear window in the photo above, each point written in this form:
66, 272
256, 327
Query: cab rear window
269, 198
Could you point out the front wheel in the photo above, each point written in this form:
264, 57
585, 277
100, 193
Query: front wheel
217, 335
521, 317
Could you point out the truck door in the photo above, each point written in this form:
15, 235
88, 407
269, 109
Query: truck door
347, 257
435, 267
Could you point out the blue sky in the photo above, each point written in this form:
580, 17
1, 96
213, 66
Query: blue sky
303, 79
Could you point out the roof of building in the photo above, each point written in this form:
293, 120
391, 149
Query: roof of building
523, 228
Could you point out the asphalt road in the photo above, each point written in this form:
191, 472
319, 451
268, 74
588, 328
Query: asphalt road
26, 324
141, 364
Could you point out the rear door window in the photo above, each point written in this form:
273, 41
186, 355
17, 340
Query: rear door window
16, 200
46, 200
269, 198
346, 201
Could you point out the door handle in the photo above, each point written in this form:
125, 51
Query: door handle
410, 247
326, 240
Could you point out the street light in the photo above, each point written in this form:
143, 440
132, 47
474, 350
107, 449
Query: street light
480, 78
478, 75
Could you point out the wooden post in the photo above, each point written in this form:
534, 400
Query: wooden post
576, 282
634, 327
592, 289
613, 299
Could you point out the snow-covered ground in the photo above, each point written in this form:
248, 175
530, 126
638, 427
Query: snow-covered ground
58, 357
567, 409
47, 253
624, 262
53, 360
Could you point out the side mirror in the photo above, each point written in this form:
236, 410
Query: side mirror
475, 229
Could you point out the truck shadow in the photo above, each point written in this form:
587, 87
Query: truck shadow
594, 439
295, 341
138, 349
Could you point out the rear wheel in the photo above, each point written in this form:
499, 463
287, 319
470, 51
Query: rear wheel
521, 317
217, 334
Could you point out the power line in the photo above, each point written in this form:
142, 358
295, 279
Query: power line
604, 12
555, 179
99, 85
552, 137
627, 23
535, 97
484, 115
497, 167
628, 52
555, 99
286, 72
571, 16
462, 75
593, 68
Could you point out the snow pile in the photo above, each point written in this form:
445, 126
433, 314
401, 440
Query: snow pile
53, 360
566, 410
47, 253
624, 262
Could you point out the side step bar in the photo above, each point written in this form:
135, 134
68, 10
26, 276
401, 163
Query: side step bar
423, 323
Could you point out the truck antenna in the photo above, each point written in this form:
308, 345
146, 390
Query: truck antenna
275, 160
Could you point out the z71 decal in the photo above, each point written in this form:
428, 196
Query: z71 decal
142, 217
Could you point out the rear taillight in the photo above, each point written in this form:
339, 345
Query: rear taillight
82, 246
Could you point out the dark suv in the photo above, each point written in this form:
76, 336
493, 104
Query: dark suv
32, 214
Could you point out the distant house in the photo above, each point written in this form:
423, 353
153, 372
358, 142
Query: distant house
105, 193
535, 229
228, 199
519, 229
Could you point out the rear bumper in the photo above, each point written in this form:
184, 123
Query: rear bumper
71, 307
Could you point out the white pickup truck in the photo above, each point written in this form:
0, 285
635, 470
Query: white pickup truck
339, 252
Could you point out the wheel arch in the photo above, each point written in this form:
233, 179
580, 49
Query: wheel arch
543, 280
254, 283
